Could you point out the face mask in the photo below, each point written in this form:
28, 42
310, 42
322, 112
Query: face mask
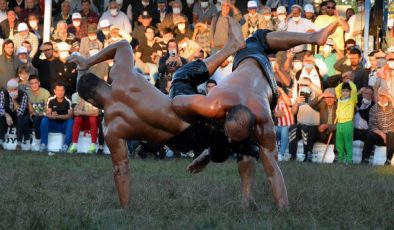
296, 19
93, 52
115, 39
297, 66
105, 32
383, 105
189, 2
23, 60
391, 64
13, 94
252, 15
181, 26
327, 49
92, 38
281, 17
145, 4
33, 24
176, 10
113, 12
267, 18
381, 62
308, 66
76, 23
63, 54
366, 101
360, 8
204, 4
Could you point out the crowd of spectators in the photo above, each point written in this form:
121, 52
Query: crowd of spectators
336, 95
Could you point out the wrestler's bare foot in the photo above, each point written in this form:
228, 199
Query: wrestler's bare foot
199, 163
235, 38
248, 202
321, 37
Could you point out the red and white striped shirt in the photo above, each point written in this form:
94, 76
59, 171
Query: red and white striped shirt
288, 118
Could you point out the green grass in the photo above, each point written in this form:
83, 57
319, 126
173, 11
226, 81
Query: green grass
77, 192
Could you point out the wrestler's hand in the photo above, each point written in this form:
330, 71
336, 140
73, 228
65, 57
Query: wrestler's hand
82, 62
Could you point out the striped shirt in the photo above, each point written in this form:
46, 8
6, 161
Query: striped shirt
381, 120
288, 118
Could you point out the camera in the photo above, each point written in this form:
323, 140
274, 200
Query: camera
172, 53
306, 96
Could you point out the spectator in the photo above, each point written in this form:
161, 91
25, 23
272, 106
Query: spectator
38, 98
76, 27
357, 24
163, 11
332, 15
24, 35
61, 34
14, 110
219, 25
63, 71
64, 15
58, 118
349, 13
346, 93
101, 69
88, 15
283, 119
254, 20
373, 68
116, 34
145, 5
9, 27
85, 118
203, 11
189, 49
35, 27
23, 78
17, 6
329, 57
117, 17
201, 36
126, 7
43, 65
139, 31
182, 30
381, 126
361, 118
104, 29
360, 74
281, 18
386, 79
326, 104
23, 58
8, 63
31, 8
147, 54
210, 84
168, 64
88, 41
3, 10
310, 70
170, 18
323, 8
309, 12
167, 35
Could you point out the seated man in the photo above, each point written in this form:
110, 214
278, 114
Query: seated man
14, 111
58, 118
165, 122
85, 118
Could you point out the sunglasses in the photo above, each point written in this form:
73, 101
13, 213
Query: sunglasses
331, 7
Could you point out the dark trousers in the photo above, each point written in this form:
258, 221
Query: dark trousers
36, 126
308, 134
372, 139
22, 127
360, 134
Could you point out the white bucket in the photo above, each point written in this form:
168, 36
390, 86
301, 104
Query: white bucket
318, 152
380, 155
55, 142
357, 151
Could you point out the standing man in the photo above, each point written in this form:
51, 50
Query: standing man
43, 65
8, 63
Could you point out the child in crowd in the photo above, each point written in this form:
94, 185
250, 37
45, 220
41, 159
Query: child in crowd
23, 78
346, 92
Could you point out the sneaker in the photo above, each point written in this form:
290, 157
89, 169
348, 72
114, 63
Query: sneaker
100, 150
26, 145
92, 148
43, 147
73, 148
309, 157
64, 148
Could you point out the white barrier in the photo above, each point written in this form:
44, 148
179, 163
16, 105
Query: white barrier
318, 152
357, 151
380, 155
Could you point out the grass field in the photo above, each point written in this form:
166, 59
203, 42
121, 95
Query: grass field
77, 192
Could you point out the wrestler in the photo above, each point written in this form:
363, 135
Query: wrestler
134, 109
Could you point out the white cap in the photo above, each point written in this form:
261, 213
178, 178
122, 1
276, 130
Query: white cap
296, 6
104, 23
22, 50
22, 27
252, 4
309, 8
76, 15
12, 83
63, 46
281, 10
